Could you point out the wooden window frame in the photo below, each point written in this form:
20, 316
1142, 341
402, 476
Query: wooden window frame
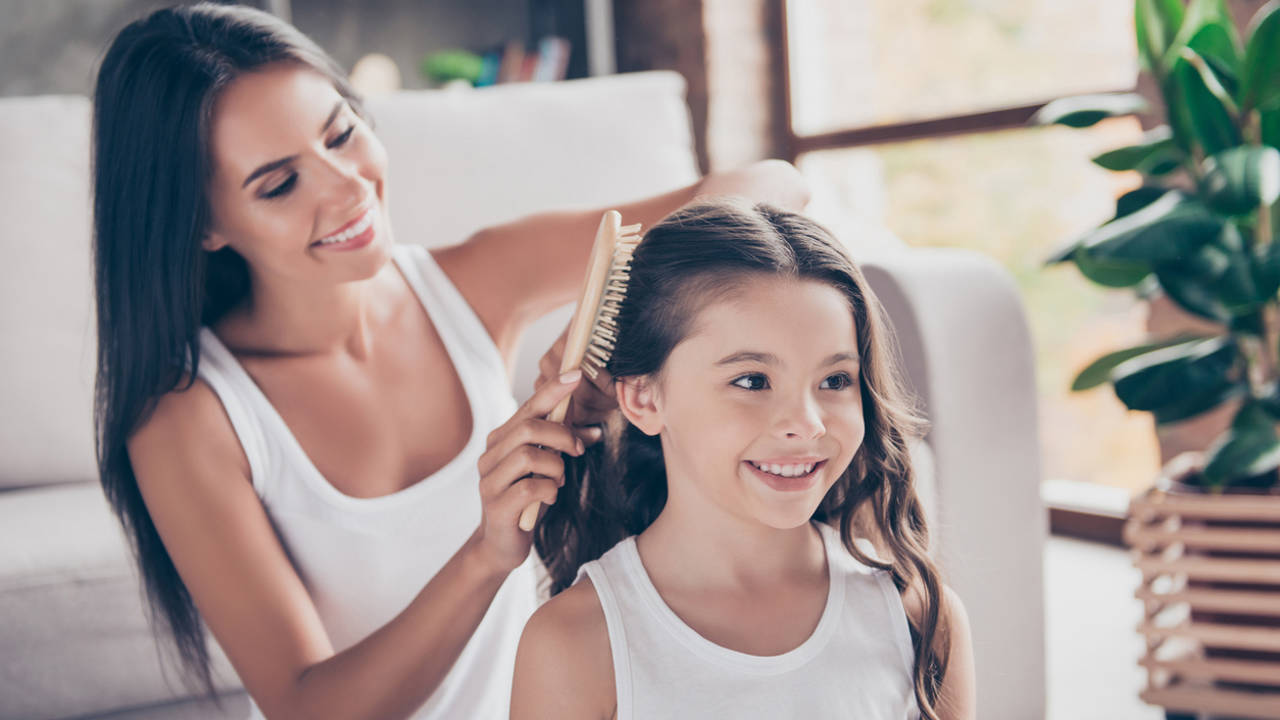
1073, 517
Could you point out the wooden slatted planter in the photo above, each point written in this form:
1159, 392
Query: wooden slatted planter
1210, 590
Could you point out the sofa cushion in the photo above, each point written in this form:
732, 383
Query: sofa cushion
462, 159
46, 319
75, 634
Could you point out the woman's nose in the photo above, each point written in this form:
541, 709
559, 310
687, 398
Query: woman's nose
346, 180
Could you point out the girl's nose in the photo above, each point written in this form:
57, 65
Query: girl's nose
802, 419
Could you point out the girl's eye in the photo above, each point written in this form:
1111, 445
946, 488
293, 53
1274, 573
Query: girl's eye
281, 189
343, 138
754, 381
839, 381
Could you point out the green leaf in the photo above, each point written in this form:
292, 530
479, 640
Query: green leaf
1183, 407
1241, 453
1109, 273
1260, 87
1212, 82
1271, 127
1193, 293
1209, 29
1209, 119
1157, 23
1135, 200
1177, 381
1266, 270
1086, 110
1167, 230
1099, 371
1156, 151
1238, 180
1216, 281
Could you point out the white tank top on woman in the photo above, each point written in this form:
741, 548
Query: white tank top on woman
856, 664
364, 559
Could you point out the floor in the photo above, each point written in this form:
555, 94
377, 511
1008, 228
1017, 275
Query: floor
1093, 647
1092, 644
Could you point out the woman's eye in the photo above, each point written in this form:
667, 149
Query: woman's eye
343, 138
839, 381
282, 188
754, 381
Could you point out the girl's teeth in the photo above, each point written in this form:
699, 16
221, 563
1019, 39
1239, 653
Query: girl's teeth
787, 470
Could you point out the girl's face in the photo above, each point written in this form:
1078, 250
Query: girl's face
760, 406
295, 168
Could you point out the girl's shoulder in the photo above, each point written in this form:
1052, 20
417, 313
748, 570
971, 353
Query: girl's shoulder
564, 666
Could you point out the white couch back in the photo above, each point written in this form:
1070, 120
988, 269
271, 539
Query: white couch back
459, 160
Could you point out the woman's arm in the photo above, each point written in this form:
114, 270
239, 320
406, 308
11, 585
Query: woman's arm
564, 667
194, 478
514, 273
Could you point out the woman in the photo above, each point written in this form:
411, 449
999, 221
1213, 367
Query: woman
308, 430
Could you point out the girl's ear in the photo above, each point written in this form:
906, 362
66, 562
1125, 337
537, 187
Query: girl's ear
636, 400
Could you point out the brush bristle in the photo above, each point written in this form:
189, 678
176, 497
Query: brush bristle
604, 331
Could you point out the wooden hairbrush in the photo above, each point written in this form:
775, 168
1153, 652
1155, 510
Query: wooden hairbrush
593, 329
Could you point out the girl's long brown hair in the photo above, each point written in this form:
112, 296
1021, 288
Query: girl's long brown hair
619, 486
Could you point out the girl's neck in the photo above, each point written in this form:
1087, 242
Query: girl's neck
691, 547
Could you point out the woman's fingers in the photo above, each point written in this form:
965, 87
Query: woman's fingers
549, 363
524, 460
545, 433
508, 506
539, 405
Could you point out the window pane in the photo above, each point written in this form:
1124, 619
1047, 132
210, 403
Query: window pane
1015, 196
856, 63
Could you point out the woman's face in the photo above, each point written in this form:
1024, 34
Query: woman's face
760, 406
299, 180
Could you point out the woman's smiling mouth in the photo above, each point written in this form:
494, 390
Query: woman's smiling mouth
356, 233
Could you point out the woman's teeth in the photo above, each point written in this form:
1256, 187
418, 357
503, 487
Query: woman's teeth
785, 470
350, 232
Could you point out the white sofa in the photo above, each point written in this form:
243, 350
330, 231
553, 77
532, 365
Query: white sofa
74, 641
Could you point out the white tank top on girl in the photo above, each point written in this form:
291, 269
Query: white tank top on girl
856, 664
364, 559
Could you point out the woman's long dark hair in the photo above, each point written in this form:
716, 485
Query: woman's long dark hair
155, 284
619, 486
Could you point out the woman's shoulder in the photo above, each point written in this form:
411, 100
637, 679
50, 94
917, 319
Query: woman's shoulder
187, 428
565, 656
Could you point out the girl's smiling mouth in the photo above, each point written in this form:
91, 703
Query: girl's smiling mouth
793, 475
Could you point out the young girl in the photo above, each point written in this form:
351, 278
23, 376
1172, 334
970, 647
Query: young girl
765, 427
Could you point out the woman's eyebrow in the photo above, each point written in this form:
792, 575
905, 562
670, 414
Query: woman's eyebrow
275, 164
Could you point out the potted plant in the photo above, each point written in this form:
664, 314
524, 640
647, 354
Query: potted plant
1201, 231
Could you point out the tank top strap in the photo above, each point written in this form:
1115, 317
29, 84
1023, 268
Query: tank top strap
619, 648
229, 381
456, 321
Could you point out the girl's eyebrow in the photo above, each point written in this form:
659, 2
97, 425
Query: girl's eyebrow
770, 359
274, 164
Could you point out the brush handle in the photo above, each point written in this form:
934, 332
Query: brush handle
575, 345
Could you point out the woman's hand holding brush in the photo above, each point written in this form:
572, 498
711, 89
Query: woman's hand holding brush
522, 465
593, 399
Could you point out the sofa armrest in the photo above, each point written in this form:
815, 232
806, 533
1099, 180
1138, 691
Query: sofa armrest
967, 354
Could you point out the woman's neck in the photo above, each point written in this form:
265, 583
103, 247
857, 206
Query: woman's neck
280, 318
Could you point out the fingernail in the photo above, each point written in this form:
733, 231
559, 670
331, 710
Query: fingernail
571, 377
581, 447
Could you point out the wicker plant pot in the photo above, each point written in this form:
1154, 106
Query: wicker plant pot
1211, 593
